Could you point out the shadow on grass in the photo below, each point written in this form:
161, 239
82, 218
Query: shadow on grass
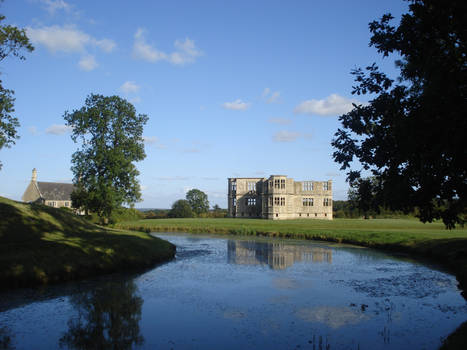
40, 244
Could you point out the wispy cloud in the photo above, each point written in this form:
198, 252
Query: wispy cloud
66, 39
237, 105
32, 130
281, 121
286, 136
173, 178
53, 6
185, 50
271, 96
332, 105
129, 87
150, 140
88, 63
58, 129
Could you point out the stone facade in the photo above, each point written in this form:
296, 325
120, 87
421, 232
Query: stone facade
279, 198
53, 194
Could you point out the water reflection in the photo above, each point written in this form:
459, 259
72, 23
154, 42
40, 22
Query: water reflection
277, 256
107, 318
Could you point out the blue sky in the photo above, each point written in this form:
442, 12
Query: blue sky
231, 88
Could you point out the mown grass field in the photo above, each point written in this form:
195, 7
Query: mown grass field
432, 240
375, 231
40, 244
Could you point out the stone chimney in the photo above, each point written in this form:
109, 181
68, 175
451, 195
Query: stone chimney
34, 175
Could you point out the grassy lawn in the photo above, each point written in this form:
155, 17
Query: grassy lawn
40, 244
376, 231
433, 241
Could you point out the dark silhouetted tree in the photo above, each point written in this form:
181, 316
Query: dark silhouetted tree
411, 135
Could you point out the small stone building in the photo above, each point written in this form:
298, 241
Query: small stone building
54, 194
279, 197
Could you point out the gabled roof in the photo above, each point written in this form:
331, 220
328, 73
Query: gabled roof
55, 190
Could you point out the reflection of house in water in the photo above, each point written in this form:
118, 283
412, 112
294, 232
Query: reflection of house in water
276, 255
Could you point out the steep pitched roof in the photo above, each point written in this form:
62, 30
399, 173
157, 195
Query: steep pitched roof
55, 190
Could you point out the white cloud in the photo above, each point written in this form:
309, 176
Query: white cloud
53, 5
58, 129
286, 136
87, 63
237, 105
105, 45
150, 140
281, 121
270, 96
332, 105
66, 39
186, 51
129, 87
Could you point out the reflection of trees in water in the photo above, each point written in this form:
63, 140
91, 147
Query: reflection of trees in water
6, 338
108, 318
276, 255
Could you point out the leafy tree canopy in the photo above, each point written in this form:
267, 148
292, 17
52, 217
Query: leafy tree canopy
181, 209
110, 133
12, 41
198, 201
411, 134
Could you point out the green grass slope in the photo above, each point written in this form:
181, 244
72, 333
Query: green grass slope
432, 241
40, 244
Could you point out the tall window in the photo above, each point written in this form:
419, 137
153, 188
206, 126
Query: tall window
282, 201
307, 202
271, 201
325, 186
234, 202
277, 201
234, 186
276, 183
251, 186
282, 183
327, 202
307, 186
251, 201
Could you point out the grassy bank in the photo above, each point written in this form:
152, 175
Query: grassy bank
410, 236
40, 244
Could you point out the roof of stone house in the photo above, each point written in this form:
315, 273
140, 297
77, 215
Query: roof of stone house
55, 190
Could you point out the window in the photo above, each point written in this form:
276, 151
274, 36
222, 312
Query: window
282, 201
67, 204
276, 183
234, 186
53, 204
327, 202
282, 183
251, 201
271, 201
325, 186
277, 201
299, 214
251, 186
234, 202
307, 202
307, 186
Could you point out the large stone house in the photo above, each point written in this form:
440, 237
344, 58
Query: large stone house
54, 194
279, 197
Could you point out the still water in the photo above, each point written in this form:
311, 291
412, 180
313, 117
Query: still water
237, 293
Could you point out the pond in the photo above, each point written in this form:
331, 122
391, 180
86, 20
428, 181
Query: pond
223, 292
